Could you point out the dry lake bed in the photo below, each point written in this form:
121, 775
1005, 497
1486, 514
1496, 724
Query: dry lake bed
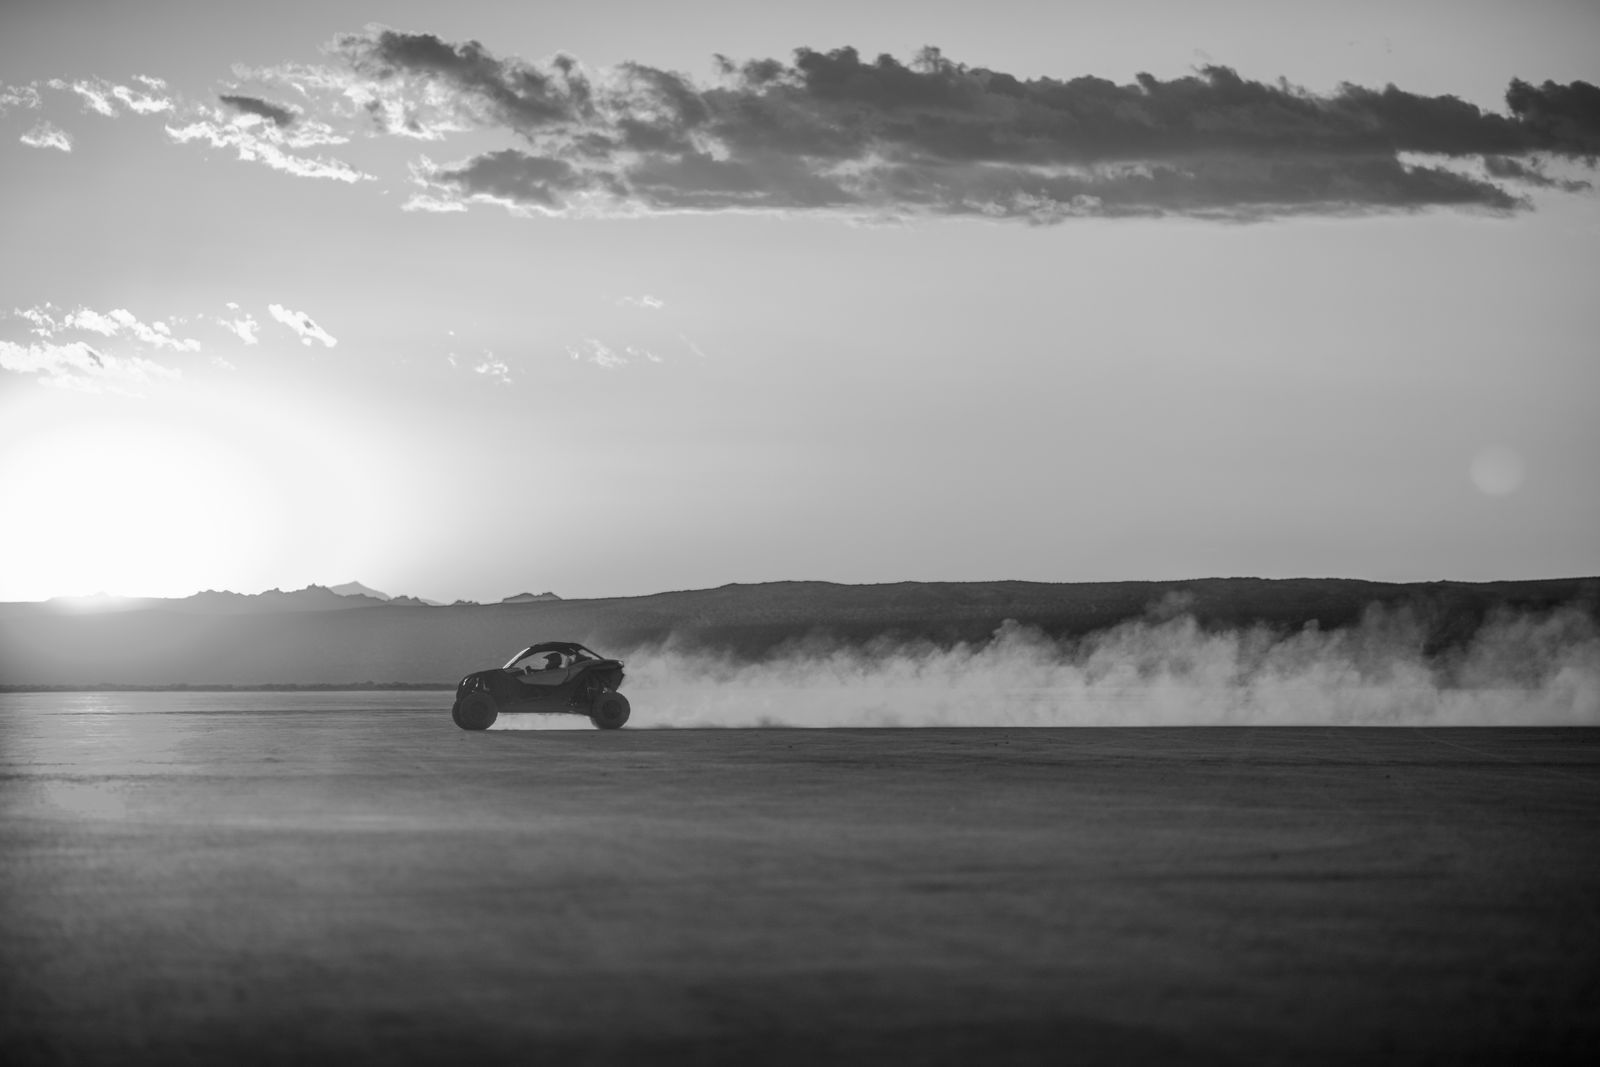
287, 878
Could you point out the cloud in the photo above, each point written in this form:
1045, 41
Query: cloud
44, 322
257, 142
1565, 117
495, 177
432, 204
110, 99
402, 107
245, 327
47, 135
96, 97
495, 369
515, 179
141, 103
18, 96
259, 130
644, 303
301, 324
77, 365
276, 114
118, 322
89, 319
122, 321
510, 92
592, 350
1531, 173
830, 131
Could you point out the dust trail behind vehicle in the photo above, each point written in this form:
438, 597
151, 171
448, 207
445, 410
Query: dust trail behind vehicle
1518, 669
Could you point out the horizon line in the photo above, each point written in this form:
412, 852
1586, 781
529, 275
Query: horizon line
552, 597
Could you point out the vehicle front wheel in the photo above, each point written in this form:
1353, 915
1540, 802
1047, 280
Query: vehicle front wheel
610, 712
475, 711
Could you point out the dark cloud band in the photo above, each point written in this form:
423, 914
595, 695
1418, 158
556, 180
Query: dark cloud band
830, 130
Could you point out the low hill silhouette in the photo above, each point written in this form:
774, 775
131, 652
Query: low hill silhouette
317, 637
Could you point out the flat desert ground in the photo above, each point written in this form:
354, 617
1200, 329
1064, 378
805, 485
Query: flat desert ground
323, 880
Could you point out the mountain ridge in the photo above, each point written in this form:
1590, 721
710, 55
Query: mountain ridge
357, 589
225, 601
364, 640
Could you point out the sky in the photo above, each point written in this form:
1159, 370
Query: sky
468, 300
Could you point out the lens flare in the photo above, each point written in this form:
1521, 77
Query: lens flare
1497, 471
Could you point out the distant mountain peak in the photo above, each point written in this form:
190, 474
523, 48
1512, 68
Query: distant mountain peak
415, 601
357, 589
529, 598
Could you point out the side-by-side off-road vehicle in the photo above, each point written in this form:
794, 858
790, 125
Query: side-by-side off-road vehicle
556, 677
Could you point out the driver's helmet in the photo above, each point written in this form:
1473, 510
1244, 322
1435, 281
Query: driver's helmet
552, 660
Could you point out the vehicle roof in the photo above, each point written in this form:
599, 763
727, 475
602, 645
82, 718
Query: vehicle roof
567, 647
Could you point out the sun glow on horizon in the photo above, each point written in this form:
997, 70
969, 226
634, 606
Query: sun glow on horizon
126, 506
165, 497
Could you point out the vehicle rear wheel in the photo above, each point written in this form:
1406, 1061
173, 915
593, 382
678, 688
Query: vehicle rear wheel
610, 712
475, 711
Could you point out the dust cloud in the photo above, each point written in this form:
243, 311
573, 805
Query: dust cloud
1163, 670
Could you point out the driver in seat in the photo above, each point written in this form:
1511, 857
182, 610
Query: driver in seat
549, 674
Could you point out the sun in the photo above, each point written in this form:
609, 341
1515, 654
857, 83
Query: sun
127, 504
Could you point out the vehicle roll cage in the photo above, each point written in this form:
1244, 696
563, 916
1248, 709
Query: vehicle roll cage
566, 648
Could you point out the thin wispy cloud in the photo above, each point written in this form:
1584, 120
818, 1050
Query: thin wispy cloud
257, 130
110, 99
257, 140
432, 204
79, 365
301, 323
118, 322
96, 97
829, 131
122, 321
141, 103
136, 345
47, 135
